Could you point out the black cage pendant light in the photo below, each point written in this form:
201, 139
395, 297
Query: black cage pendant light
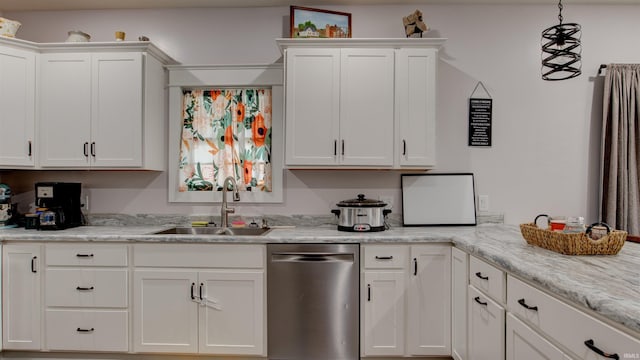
561, 50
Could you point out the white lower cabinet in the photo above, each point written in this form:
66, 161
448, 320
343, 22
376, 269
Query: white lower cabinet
21, 297
207, 299
523, 343
459, 288
486, 327
486, 311
406, 300
86, 297
582, 335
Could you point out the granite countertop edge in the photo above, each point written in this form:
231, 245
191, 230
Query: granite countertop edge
606, 285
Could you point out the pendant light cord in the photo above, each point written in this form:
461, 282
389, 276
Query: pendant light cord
560, 11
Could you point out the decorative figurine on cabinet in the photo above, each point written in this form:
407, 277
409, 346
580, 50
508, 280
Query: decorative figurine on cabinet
413, 24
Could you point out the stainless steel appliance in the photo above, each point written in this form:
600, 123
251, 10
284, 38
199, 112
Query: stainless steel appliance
313, 301
361, 214
60, 205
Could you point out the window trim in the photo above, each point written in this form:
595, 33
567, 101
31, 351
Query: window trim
183, 77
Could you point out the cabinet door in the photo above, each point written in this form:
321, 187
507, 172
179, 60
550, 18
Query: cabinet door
460, 284
415, 102
486, 327
65, 110
525, 344
21, 303
17, 106
312, 106
383, 313
232, 316
366, 107
165, 316
116, 113
429, 300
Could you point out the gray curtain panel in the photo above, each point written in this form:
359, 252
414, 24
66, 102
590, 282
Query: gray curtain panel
620, 145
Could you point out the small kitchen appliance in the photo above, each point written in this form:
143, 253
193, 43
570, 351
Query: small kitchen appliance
60, 204
361, 214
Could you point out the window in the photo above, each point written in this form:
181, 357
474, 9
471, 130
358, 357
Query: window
225, 121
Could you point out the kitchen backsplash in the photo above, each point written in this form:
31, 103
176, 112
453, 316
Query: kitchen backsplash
394, 220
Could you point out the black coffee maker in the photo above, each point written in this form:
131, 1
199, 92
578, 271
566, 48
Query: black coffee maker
59, 205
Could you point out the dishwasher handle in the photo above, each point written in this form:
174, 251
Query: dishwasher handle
303, 256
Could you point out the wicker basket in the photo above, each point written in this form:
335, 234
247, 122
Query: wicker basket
573, 243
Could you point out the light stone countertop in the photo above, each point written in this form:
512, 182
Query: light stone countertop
608, 285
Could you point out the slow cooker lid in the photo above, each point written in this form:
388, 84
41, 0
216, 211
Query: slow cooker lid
361, 201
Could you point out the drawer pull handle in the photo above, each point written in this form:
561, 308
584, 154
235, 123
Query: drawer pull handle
84, 255
384, 257
524, 304
80, 288
368, 292
33, 264
477, 299
200, 290
589, 344
479, 274
85, 330
192, 286
415, 266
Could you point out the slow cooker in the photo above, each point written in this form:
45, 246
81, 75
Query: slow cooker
361, 214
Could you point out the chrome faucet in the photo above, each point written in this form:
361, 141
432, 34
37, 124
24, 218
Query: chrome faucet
224, 210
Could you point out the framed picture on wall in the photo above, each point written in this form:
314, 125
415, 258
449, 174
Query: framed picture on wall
318, 23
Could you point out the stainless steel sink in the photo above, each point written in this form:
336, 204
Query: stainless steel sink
187, 230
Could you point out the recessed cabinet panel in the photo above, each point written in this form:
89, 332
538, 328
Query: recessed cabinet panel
116, 128
486, 327
104, 330
86, 288
366, 107
383, 312
65, 110
17, 107
429, 300
416, 106
165, 311
21, 299
232, 312
312, 108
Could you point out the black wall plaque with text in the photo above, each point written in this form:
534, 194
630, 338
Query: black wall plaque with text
480, 122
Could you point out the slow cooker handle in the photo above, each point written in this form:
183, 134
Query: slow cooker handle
386, 212
336, 212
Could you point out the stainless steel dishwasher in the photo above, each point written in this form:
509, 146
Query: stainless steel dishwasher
313, 293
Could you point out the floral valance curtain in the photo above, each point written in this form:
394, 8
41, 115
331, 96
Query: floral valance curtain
226, 132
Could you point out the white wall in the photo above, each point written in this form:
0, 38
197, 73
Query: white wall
546, 135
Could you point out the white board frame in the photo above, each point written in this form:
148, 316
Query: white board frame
450, 199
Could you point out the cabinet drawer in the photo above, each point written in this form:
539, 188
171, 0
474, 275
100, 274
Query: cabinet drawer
86, 287
199, 255
86, 254
487, 278
566, 324
86, 330
385, 257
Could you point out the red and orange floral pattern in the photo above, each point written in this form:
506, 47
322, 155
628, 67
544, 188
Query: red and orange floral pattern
226, 132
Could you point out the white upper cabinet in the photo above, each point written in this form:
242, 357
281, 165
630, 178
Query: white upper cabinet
360, 103
17, 105
416, 107
102, 108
